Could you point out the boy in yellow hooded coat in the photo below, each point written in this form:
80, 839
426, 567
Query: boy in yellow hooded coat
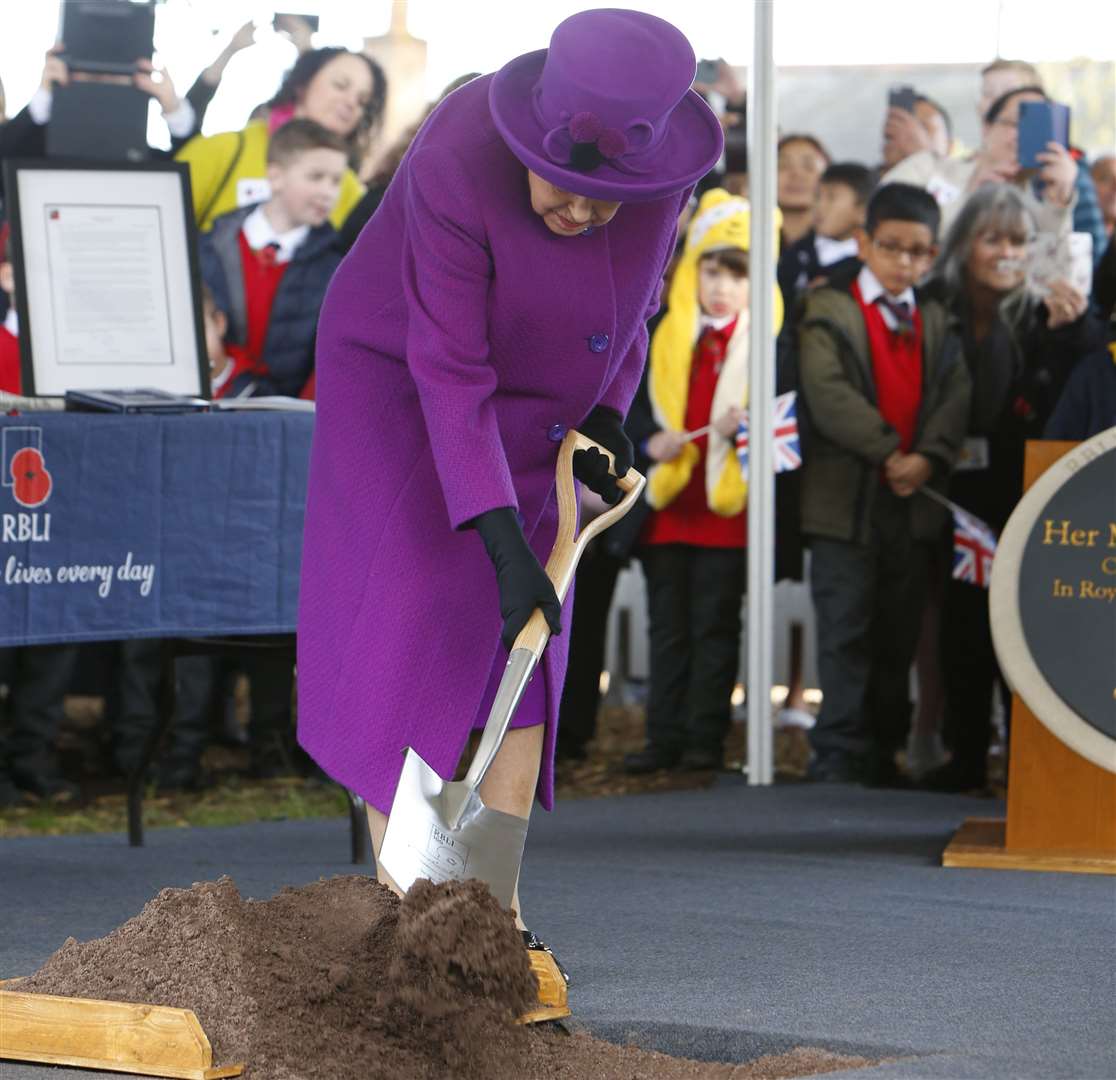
693, 544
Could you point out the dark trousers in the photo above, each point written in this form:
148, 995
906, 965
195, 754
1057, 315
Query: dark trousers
137, 705
970, 674
581, 695
868, 601
693, 605
37, 677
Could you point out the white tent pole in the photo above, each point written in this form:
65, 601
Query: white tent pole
761, 396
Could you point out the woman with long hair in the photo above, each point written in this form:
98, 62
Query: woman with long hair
344, 91
1020, 349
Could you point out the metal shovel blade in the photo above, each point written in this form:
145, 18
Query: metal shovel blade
440, 829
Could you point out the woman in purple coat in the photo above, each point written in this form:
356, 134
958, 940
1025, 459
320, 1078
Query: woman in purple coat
497, 298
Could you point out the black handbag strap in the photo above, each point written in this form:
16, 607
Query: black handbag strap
203, 216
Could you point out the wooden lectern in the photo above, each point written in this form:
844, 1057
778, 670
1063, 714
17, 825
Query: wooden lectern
1061, 811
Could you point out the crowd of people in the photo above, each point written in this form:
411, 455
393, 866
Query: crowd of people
924, 348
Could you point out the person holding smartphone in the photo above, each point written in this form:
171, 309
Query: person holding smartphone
1049, 189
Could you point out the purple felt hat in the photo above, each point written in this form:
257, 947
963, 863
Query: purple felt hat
607, 111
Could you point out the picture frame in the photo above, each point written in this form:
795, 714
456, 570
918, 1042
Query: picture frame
108, 286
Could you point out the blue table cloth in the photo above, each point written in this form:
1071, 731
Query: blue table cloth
150, 526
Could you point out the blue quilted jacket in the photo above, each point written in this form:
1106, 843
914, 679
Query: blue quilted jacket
289, 344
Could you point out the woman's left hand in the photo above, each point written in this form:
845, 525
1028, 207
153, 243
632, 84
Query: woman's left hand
1058, 174
606, 427
1064, 305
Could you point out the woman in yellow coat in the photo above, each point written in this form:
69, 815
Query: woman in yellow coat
343, 91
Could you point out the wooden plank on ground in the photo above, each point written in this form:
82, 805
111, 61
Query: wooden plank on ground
145, 1040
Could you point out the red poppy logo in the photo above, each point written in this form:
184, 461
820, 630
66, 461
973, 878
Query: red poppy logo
32, 481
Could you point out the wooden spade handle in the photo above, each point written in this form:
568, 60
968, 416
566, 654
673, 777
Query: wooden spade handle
570, 544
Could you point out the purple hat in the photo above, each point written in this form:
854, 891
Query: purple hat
607, 111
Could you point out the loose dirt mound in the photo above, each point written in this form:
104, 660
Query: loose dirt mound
340, 980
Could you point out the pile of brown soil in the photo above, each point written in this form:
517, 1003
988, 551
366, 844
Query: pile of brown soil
340, 980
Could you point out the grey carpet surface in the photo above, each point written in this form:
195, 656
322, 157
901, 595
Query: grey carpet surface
720, 924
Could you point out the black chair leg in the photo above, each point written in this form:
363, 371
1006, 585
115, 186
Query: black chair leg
138, 776
358, 828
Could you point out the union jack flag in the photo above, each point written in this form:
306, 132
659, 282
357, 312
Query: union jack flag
974, 547
788, 451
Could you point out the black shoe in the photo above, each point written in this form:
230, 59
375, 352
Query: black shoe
10, 795
650, 760
884, 773
181, 776
698, 760
570, 752
955, 777
832, 770
52, 787
532, 941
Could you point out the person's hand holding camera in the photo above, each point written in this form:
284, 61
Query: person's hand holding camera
156, 83
992, 172
55, 71
1058, 174
905, 134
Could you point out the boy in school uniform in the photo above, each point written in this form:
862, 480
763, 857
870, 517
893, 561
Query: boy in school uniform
886, 391
830, 245
268, 266
693, 543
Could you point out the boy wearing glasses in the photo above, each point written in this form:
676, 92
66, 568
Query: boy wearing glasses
887, 397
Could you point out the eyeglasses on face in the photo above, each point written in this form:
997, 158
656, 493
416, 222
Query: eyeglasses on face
897, 252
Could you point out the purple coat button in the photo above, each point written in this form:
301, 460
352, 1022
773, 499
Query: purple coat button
557, 433
598, 342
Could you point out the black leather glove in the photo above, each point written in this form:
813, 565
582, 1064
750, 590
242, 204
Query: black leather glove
605, 426
522, 581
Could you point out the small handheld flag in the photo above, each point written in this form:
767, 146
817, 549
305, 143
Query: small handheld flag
974, 548
788, 450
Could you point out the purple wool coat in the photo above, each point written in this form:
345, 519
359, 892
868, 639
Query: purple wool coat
458, 341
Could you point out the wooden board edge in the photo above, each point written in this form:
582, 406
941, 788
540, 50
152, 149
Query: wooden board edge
979, 844
166, 1073
202, 1070
547, 1012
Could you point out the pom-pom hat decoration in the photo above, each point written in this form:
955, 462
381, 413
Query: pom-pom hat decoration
607, 111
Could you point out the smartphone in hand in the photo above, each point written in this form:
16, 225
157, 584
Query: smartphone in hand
902, 97
1041, 122
277, 22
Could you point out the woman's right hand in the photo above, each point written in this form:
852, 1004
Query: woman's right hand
522, 581
55, 71
992, 172
665, 445
1064, 305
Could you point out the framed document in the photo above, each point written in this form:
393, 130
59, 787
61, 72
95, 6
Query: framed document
107, 285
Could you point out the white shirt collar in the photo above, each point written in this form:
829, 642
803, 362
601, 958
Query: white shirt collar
11, 322
218, 381
831, 251
871, 290
709, 323
259, 232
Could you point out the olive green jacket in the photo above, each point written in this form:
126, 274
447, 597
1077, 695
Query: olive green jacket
846, 439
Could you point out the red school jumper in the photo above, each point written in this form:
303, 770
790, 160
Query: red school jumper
897, 369
688, 519
10, 373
